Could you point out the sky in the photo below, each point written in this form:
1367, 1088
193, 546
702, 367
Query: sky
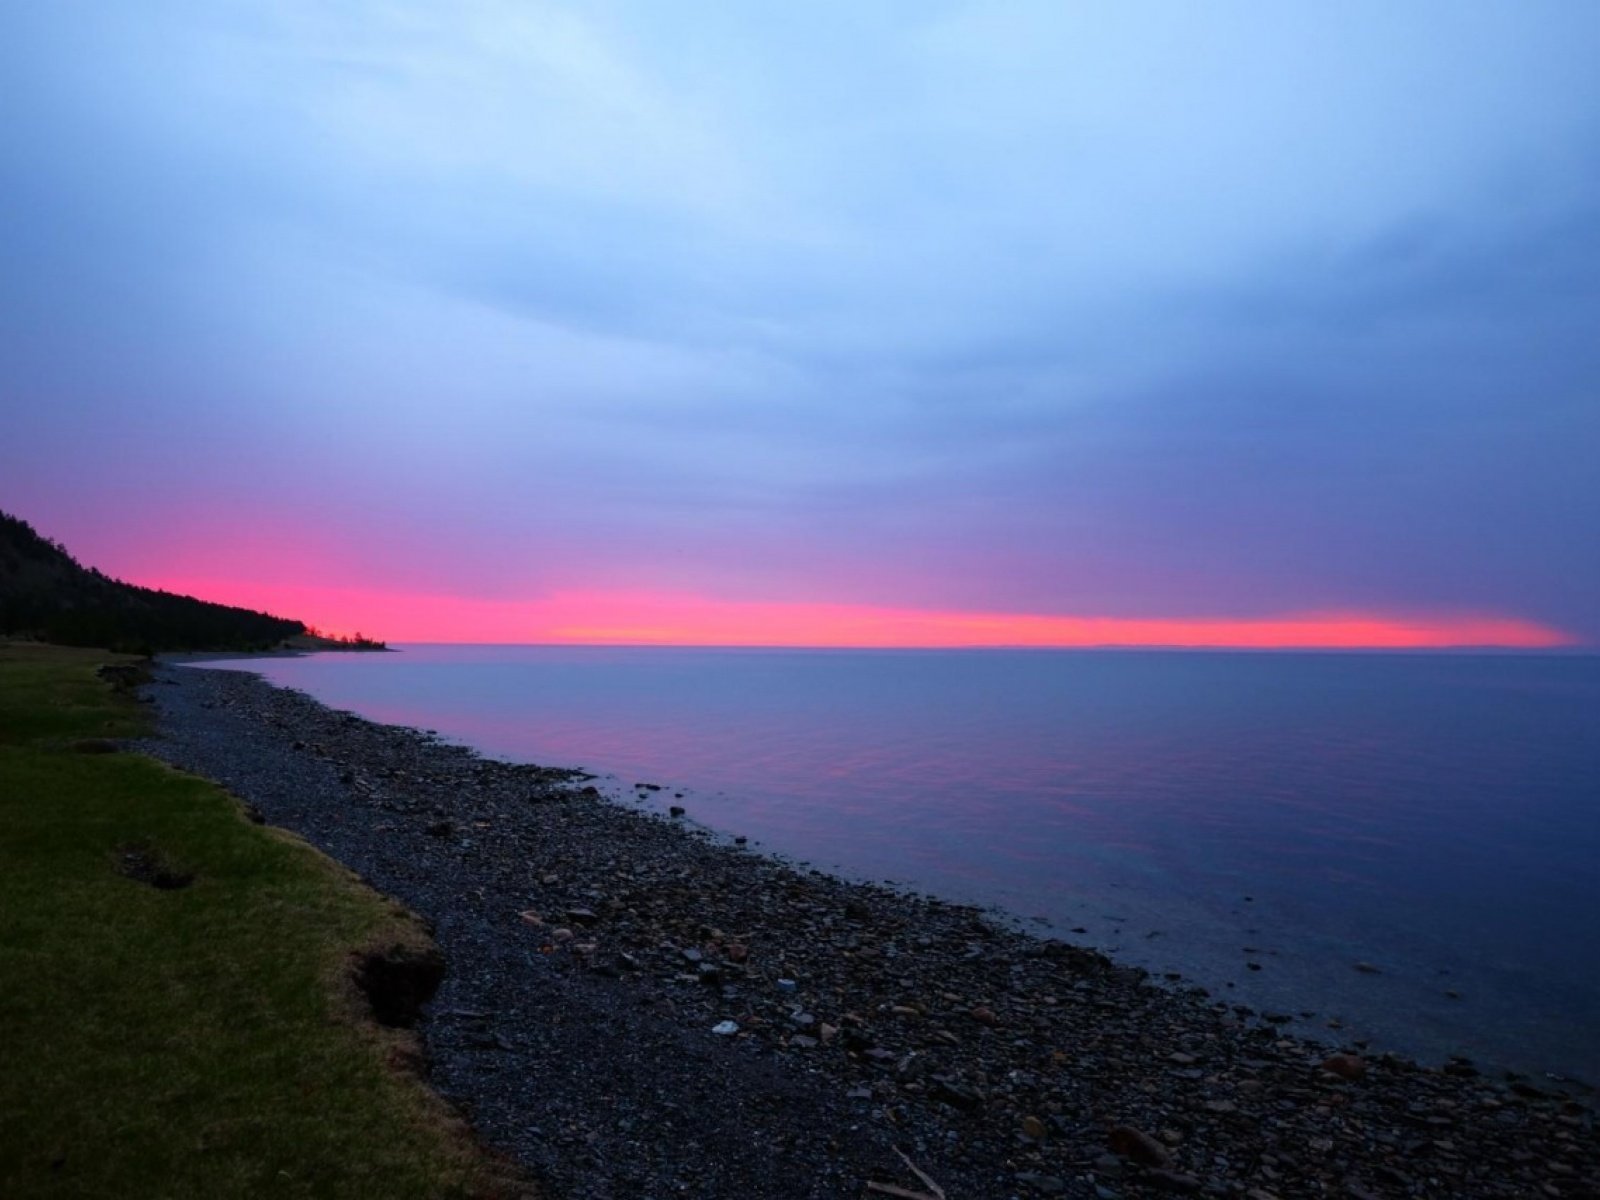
906, 323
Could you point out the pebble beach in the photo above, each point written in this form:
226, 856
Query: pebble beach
633, 1007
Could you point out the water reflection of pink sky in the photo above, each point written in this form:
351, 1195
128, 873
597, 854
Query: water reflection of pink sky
1414, 807
847, 789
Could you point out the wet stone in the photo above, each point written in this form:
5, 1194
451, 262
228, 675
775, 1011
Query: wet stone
1345, 1066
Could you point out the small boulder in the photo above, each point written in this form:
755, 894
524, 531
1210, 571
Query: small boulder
1172, 1181
1345, 1066
954, 1093
1138, 1146
1047, 1185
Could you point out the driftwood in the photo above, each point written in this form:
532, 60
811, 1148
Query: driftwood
934, 1192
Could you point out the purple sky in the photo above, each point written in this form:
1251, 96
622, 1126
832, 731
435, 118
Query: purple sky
1138, 311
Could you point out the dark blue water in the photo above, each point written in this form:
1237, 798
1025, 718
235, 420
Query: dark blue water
1437, 817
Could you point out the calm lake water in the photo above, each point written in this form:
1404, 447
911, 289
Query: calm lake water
1437, 817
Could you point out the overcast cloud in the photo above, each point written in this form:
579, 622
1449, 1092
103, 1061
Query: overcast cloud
1133, 309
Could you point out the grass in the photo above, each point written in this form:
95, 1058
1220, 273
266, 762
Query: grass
199, 1041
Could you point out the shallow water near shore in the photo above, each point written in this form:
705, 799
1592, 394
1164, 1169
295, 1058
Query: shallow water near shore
1260, 823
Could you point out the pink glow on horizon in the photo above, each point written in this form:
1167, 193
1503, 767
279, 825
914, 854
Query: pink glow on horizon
679, 619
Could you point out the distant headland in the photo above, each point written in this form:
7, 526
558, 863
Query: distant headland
46, 594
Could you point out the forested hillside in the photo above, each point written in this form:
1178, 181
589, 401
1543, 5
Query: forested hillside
45, 593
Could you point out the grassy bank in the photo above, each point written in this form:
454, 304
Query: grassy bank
177, 1015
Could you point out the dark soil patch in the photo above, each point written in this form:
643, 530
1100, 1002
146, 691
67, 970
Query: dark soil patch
398, 981
145, 864
125, 677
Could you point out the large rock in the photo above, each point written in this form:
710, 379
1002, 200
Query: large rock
1138, 1146
1345, 1066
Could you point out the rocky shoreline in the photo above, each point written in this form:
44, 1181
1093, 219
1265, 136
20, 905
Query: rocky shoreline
632, 1008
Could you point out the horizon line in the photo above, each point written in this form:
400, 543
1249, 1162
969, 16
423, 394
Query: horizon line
1576, 649
645, 616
